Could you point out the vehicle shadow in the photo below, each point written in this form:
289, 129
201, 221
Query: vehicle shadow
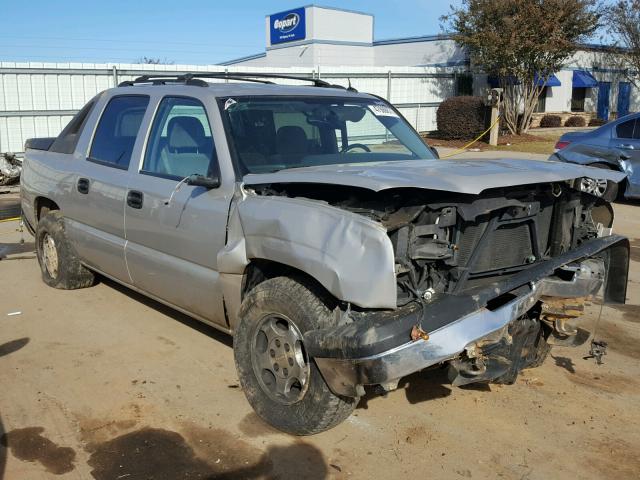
170, 312
418, 387
6, 349
299, 460
3, 451
215, 454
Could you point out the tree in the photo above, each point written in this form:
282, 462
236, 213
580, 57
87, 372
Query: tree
522, 43
623, 24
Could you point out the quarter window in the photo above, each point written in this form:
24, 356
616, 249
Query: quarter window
117, 131
625, 129
68, 138
180, 143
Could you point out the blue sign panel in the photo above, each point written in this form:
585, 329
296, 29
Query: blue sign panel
287, 26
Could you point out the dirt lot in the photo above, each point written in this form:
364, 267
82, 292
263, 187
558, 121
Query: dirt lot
102, 383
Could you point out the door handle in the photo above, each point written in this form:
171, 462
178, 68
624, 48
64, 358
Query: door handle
83, 185
135, 199
626, 146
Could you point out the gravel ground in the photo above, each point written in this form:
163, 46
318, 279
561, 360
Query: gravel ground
103, 383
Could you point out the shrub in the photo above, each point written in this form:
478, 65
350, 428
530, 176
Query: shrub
461, 117
596, 122
550, 121
575, 121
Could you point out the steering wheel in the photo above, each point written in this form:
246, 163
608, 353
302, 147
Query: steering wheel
355, 145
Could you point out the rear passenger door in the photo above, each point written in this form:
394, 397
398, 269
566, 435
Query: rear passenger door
95, 217
626, 141
174, 230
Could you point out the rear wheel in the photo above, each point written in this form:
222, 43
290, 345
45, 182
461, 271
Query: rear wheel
60, 265
280, 381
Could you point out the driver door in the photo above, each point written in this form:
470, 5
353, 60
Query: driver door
174, 230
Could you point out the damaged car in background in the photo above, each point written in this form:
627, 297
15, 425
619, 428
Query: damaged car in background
315, 225
10, 168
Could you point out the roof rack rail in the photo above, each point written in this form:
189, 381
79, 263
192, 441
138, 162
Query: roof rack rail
195, 79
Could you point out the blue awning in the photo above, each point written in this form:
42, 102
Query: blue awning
552, 81
583, 79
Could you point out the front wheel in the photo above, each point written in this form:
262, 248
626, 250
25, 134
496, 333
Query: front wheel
280, 381
600, 187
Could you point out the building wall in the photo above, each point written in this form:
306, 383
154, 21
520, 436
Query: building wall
38, 100
428, 52
339, 25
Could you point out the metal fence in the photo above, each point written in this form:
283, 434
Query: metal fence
39, 99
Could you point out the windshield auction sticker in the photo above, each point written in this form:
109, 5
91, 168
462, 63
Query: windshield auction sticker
381, 110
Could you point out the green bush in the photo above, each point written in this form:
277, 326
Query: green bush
461, 117
551, 121
575, 121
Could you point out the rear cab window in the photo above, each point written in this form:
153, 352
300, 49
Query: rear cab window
117, 131
67, 141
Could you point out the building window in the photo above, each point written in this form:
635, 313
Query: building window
577, 99
541, 106
464, 84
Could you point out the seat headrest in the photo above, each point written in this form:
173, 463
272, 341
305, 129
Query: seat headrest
292, 140
185, 132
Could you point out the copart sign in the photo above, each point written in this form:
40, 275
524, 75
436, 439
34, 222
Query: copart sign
287, 26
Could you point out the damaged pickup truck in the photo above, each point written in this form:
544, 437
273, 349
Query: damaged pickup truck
315, 225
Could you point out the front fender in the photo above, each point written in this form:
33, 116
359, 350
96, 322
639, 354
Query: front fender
349, 254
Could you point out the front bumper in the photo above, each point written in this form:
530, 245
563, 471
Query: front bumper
455, 322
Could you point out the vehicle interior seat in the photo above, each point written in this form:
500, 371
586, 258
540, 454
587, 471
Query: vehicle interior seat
188, 150
291, 141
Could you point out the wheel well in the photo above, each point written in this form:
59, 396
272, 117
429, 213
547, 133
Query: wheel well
260, 270
44, 205
610, 166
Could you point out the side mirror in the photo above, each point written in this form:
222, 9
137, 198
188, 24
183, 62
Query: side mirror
202, 181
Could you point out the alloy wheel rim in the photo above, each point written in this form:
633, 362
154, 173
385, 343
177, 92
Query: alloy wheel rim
594, 186
50, 255
279, 360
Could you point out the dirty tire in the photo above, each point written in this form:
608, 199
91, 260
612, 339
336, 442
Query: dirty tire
318, 409
612, 190
542, 350
70, 273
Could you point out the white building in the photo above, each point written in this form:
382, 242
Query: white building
591, 84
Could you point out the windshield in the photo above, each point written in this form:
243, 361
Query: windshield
275, 133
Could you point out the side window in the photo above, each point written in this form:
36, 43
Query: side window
180, 143
68, 138
117, 131
625, 129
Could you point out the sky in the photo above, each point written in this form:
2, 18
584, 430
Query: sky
179, 31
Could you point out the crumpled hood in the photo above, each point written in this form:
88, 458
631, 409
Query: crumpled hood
460, 176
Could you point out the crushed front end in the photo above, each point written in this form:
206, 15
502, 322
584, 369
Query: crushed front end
486, 284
